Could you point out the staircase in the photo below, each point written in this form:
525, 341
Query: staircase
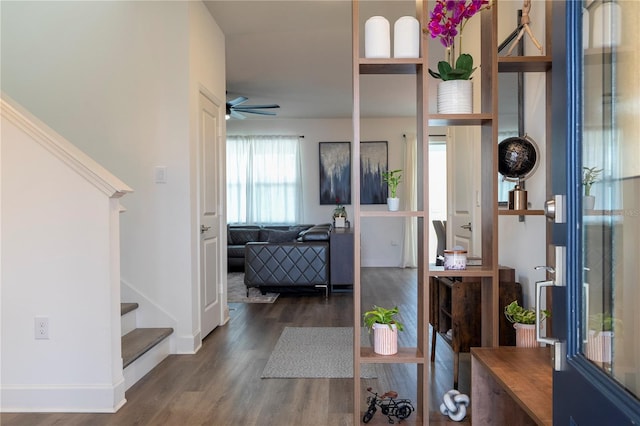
142, 348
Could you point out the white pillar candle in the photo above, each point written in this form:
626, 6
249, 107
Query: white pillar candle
377, 38
585, 28
607, 31
406, 38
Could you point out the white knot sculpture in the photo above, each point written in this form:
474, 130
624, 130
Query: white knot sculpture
455, 405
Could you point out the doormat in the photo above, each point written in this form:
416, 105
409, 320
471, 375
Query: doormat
315, 352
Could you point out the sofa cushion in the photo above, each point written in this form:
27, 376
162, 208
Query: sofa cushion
277, 236
239, 236
235, 251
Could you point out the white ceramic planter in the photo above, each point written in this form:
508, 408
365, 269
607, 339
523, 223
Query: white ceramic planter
393, 204
588, 202
526, 335
385, 339
455, 97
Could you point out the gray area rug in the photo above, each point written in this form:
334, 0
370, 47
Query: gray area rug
315, 352
237, 291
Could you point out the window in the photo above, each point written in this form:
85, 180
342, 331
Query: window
264, 182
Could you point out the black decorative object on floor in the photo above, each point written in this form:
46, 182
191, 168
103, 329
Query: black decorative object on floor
389, 404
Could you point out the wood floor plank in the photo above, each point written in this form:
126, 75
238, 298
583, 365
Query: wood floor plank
221, 384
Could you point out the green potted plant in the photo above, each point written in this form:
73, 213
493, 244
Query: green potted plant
392, 179
385, 328
524, 321
339, 215
590, 175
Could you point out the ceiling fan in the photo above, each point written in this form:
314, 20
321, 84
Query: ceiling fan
235, 108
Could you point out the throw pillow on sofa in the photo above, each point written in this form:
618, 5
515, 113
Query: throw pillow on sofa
277, 236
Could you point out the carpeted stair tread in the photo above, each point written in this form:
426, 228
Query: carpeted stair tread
125, 308
139, 341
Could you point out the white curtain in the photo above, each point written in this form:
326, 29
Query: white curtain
264, 183
409, 252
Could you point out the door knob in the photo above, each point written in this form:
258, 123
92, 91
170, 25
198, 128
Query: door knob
204, 229
554, 209
467, 226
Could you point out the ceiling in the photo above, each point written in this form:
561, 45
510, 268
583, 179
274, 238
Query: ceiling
298, 54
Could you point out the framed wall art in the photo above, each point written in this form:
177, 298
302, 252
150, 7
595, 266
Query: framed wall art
335, 172
373, 162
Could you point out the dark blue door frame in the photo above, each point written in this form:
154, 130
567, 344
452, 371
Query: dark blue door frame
582, 393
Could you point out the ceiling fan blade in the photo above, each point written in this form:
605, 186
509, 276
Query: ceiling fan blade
242, 107
257, 112
237, 115
237, 101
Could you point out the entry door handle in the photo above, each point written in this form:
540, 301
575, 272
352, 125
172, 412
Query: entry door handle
467, 226
204, 229
559, 347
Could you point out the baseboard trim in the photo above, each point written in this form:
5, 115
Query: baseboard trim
63, 398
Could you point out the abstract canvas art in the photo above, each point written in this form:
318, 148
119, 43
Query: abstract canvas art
335, 173
373, 162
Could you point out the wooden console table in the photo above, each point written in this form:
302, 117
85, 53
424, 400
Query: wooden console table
511, 386
456, 306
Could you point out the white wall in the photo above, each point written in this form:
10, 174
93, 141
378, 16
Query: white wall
60, 244
378, 248
118, 79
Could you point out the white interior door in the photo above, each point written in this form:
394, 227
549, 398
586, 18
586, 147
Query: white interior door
211, 217
463, 223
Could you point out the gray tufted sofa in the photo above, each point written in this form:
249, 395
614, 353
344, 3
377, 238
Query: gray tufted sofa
239, 235
298, 265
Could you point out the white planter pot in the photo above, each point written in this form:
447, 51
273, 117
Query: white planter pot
393, 204
526, 335
588, 202
455, 97
385, 339
599, 347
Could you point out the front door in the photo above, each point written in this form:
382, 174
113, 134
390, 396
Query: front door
209, 137
597, 314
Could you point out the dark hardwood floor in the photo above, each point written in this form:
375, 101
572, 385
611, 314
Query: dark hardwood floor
221, 384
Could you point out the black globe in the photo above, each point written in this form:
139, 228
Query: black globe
517, 157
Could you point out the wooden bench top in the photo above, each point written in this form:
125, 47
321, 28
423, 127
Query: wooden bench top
525, 374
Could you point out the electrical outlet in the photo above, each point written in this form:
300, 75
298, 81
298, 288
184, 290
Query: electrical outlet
41, 328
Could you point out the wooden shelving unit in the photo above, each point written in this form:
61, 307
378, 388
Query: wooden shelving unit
486, 120
406, 355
